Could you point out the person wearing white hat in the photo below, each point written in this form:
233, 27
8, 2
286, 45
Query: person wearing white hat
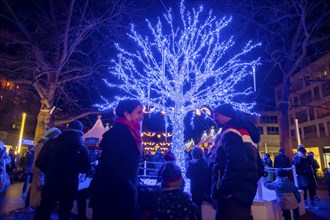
38, 177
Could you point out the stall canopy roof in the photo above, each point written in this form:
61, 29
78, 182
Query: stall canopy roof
97, 130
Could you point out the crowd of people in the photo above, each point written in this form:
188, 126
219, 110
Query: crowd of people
227, 176
306, 168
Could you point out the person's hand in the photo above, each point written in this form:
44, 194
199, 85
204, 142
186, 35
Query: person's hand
227, 196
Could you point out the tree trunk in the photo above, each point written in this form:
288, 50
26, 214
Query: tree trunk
285, 133
43, 122
178, 139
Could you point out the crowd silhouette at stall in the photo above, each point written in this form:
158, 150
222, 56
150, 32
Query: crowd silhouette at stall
61, 170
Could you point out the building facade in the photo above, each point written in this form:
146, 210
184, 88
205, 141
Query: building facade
268, 126
310, 105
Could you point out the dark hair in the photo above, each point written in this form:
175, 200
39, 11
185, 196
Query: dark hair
127, 105
76, 124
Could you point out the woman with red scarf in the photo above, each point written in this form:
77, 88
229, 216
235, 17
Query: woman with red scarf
113, 189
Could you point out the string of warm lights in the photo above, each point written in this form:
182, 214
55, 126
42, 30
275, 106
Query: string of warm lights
181, 68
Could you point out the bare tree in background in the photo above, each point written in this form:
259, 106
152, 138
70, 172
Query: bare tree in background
59, 49
294, 33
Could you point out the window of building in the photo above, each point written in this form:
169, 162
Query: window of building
311, 114
306, 98
269, 119
307, 83
322, 130
291, 119
316, 93
325, 89
261, 130
322, 74
301, 116
310, 132
293, 134
297, 86
272, 130
295, 101
323, 110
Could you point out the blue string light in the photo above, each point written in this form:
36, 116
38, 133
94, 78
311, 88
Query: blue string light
179, 68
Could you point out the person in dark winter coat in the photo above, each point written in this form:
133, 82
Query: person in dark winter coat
267, 160
305, 175
169, 156
243, 166
315, 167
327, 175
198, 173
171, 202
281, 160
287, 194
61, 160
29, 157
114, 185
4, 160
38, 179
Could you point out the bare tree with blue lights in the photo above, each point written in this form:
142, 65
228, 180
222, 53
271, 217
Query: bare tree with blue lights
181, 67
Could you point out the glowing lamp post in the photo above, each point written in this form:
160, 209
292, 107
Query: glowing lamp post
21, 132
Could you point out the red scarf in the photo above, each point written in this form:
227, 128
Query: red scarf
134, 128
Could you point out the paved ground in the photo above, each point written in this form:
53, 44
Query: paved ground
11, 206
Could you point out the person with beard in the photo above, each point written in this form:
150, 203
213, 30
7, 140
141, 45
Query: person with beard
114, 185
234, 189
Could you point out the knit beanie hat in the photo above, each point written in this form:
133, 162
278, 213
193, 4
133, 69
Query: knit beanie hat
171, 175
169, 156
300, 145
196, 152
226, 110
302, 150
77, 125
51, 133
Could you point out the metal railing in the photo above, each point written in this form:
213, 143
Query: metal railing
271, 177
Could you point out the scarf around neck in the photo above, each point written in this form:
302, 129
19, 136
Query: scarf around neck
134, 129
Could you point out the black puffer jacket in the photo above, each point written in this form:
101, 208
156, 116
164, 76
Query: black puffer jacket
305, 173
282, 161
61, 160
240, 165
197, 172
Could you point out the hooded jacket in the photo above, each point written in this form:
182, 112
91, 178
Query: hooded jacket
287, 194
62, 159
239, 168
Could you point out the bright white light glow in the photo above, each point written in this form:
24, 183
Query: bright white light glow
179, 68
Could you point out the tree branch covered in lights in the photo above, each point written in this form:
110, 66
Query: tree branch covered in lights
179, 68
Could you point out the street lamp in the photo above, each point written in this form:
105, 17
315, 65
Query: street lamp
21, 132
